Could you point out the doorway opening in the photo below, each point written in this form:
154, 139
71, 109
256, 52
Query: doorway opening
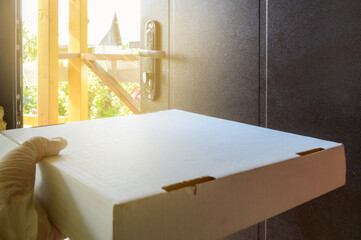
80, 60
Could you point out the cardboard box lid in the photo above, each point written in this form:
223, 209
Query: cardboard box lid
127, 158
124, 159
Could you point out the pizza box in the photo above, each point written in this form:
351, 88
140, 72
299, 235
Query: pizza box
176, 175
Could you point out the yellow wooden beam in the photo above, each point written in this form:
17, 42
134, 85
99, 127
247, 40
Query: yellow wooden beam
114, 69
114, 86
32, 120
112, 57
96, 56
48, 62
77, 73
69, 55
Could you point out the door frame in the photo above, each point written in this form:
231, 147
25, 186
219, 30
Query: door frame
10, 62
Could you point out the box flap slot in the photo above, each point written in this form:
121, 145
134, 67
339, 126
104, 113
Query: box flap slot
310, 151
189, 183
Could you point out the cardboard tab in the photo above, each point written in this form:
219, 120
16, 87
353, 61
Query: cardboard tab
190, 183
304, 153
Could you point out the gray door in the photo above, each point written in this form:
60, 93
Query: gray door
212, 63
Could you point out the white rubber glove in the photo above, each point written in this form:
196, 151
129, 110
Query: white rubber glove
21, 215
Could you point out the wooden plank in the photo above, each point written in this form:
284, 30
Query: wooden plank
123, 95
112, 57
32, 120
48, 62
69, 55
94, 56
114, 70
77, 73
62, 119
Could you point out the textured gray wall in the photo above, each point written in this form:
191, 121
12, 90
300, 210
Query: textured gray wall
314, 88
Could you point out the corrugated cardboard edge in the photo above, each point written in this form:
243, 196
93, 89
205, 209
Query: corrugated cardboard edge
226, 205
72, 211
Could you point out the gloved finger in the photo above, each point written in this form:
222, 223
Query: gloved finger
19, 164
43, 147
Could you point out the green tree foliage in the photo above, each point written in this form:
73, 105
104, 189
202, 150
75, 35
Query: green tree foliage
30, 48
30, 99
102, 102
63, 99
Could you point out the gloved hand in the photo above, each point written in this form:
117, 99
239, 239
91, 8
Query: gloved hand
21, 215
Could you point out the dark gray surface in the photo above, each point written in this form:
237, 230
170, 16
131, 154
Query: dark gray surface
309, 61
214, 58
314, 89
250, 233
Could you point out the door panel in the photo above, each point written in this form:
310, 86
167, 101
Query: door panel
156, 10
214, 63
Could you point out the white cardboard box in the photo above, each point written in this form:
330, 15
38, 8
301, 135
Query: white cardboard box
108, 183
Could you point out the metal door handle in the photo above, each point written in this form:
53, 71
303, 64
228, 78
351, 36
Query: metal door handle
151, 53
149, 76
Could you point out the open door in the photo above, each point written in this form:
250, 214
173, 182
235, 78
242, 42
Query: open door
212, 57
211, 62
81, 60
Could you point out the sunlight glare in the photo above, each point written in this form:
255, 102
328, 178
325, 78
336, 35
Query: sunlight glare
100, 15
